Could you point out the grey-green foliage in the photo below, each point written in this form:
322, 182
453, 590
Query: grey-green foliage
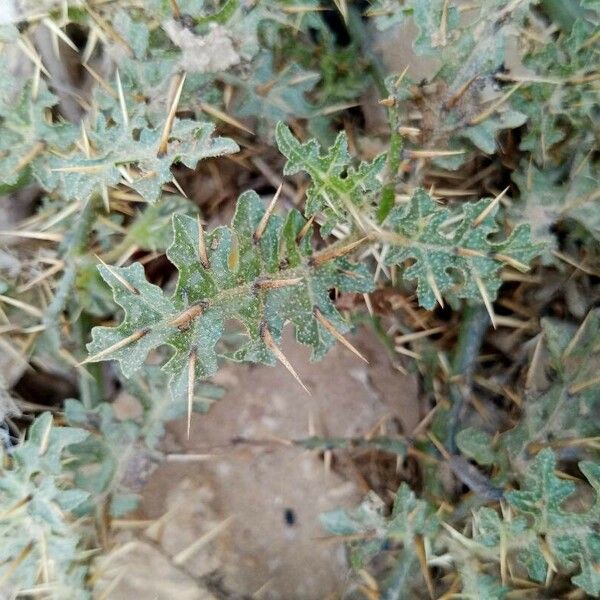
262, 281
40, 545
117, 144
548, 199
457, 260
540, 534
567, 407
460, 106
543, 534
338, 189
410, 518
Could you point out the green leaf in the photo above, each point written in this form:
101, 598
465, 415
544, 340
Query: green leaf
572, 538
26, 130
237, 279
273, 95
561, 409
476, 444
338, 189
118, 144
456, 260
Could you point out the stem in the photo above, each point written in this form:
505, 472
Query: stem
388, 196
475, 323
90, 386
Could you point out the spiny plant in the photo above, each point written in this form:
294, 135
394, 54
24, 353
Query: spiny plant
264, 271
534, 536
122, 108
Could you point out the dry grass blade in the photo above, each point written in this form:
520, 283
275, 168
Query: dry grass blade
184, 555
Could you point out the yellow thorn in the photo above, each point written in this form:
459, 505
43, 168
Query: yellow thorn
189, 314
45, 438
122, 100
118, 277
7, 575
164, 138
85, 140
267, 338
223, 116
435, 289
422, 556
335, 252
105, 197
190, 389
265, 218
584, 385
489, 111
60, 33
101, 81
304, 229
488, 209
32, 310
336, 334
433, 153
134, 337
182, 556
202, 253
272, 284
509, 260
486, 300
30, 156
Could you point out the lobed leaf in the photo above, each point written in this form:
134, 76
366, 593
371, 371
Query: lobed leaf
453, 260
261, 282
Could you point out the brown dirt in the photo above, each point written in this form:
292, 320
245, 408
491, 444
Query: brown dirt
265, 499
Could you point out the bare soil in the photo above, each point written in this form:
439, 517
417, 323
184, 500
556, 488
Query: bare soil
249, 513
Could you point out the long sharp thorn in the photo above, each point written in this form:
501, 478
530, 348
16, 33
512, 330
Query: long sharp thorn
85, 140
267, 338
9, 572
488, 209
435, 289
422, 556
265, 218
213, 111
486, 300
101, 81
122, 100
482, 116
60, 33
175, 9
118, 277
272, 284
335, 252
510, 261
105, 197
190, 389
30, 156
304, 229
164, 138
336, 334
183, 319
134, 337
202, 253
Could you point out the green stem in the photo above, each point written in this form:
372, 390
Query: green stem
76, 246
388, 196
475, 323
